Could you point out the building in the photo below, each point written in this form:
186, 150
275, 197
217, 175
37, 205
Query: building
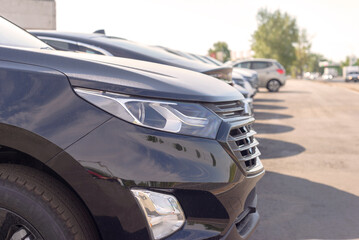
30, 14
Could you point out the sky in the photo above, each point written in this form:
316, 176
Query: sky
194, 25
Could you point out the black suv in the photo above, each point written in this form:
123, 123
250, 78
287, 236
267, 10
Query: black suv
95, 147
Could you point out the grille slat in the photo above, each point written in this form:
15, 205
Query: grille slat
240, 138
246, 146
250, 157
229, 105
228, 110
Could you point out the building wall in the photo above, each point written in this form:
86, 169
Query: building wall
30, 14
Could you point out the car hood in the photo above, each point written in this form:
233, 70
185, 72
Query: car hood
127, 76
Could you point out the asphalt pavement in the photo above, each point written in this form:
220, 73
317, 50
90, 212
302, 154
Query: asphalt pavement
309, 139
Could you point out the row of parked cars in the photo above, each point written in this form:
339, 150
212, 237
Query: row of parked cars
104, 138
247, 76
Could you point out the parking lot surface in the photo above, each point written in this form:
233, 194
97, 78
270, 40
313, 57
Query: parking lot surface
309, 139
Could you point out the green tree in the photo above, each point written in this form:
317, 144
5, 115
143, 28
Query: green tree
302, 53
347, 62
313, 62
221, 51
275, 36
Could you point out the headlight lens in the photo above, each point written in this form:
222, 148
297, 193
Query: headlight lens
163, 213
183, 118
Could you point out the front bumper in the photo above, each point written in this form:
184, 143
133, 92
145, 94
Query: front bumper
211, 187
353, 79
283, 80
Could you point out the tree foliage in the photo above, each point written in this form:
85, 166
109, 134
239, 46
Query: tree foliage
275, 37
347, 62
221, 51
302, 53
313, 62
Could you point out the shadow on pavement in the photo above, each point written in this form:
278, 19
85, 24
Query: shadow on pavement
268, 107
263, 128
268, 115
295, 208
267, 100
271, 148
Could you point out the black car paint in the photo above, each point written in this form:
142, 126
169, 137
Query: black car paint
42, 117
128, 76
121, 49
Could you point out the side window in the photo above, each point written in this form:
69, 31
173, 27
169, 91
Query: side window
243, 65
59, 45
259, 65
88, 50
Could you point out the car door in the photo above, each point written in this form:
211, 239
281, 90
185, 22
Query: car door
263, 70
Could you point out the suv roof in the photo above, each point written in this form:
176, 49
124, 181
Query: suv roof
258, 59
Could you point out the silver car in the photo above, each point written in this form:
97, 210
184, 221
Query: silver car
352, 76
271, 73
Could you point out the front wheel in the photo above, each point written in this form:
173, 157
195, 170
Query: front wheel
273, 85
35, 206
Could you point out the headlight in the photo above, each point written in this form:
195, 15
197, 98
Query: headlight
350, 77
163, 213
183, 118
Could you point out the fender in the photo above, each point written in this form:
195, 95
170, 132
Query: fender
41, 116
42, 101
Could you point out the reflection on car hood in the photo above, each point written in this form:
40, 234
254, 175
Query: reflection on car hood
245, 72
128, 49
127, 76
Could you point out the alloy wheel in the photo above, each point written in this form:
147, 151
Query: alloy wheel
14, 227
273, 85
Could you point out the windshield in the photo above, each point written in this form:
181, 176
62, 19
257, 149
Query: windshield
11, 35
354, 73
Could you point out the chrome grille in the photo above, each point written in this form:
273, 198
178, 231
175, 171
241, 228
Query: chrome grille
243, 144
240, 138
229, 110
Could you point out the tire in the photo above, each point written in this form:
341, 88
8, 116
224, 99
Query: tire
36, 205
273, 85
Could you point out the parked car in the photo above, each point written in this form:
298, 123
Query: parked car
352, 76
311, 75
327, 76
124, 48
347, 70
96, 147
249, 75
101, 44
239, 77
271, 73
